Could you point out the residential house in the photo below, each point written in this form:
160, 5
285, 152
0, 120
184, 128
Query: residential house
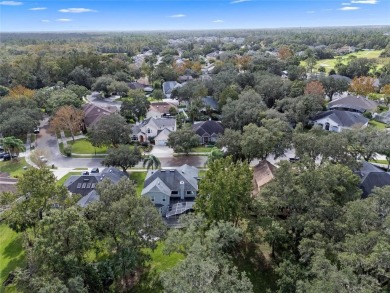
353, 104
208, 131
184, 78
135, 85
172, 191
168, 87
263, 173
337, 120
93, 114
371, 177
151, 128
85, 184
159, 110
209, 103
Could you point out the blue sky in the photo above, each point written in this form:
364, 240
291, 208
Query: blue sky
130, 15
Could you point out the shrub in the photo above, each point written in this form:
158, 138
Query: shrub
68, 150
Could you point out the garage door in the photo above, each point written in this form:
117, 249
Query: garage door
161, 142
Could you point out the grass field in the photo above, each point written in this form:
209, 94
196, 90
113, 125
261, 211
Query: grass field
377, 124
11, 253
14, 168
330, 63
139, 178
84, 146
202, 149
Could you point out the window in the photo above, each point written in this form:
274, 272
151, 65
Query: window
174, 192
78, 185
190, 192
152, 197
149, 130
164, 198
134, 138
93, 185
88, 185
84, 184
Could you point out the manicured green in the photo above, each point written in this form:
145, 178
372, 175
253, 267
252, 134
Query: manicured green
202, 149
62, 180
379, 162
84, 146
161, 262
139, 178
12, 254
14, 167
330, 63
377, 124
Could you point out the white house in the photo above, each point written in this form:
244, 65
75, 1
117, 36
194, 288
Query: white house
152, 127
337, 120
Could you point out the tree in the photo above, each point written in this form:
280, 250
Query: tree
67, 118
136, 107
119, 87
13, 145
314, 88
151, 161
62, 97
125, 224
362, 86
20, 91
122, 156
386, 91
285, 52
215, 154
225, 191
183, 140
207, 266
110, 130
332, 85
3, 91
230, 142
238, 113
81, 76
102, 84
37, 190
79, 90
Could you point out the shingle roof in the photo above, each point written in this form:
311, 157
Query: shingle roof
211, 102
172, 178
91, 197
372, 180
354, 103
84, 184
209, 127
93, 113
343, 118
263, 173
168, 86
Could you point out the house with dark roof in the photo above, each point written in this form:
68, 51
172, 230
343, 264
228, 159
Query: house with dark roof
337, 120
93, 114
208, 131
353, 104
135, 85
371, 177
263, 173
151, 128
209, 103
184, 78
85, 184
172, 191
168, 87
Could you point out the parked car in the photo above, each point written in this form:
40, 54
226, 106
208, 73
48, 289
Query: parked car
85, 173
36, 130
2, 154
95, 170
293, 160
7, 157
43, 159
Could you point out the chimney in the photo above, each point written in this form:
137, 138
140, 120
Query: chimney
182, 190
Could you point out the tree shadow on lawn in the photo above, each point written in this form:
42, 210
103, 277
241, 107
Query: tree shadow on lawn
14, 256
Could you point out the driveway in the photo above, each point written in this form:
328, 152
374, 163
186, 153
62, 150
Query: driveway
162, 151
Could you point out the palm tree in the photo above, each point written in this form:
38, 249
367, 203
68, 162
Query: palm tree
13, 145
152, 161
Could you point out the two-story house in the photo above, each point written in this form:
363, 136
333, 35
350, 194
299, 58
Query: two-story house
157, 128
172, 191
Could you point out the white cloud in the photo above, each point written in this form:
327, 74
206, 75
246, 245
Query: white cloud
346, 3
45, 20
38, 8
218, 21
347, 8
76, 10
11, 3
177, 15
364, 1
239, 1
63, 19
310, 11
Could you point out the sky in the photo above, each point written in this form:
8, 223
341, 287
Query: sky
142, 15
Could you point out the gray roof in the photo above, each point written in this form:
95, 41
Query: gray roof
371, 177
91, 197
355, 103
343, 118
168, 86
338, 76
84, 184
210, 102
169, 180
209, 128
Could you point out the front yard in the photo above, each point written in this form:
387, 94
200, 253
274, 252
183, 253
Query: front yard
202, 149
377, 124
14, 167
84, 146
138, 178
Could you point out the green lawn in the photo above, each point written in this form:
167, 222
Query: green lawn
377, 124
11, 253
62, 180
139, 178
330, 63
14, 167
202, 149
84, 146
